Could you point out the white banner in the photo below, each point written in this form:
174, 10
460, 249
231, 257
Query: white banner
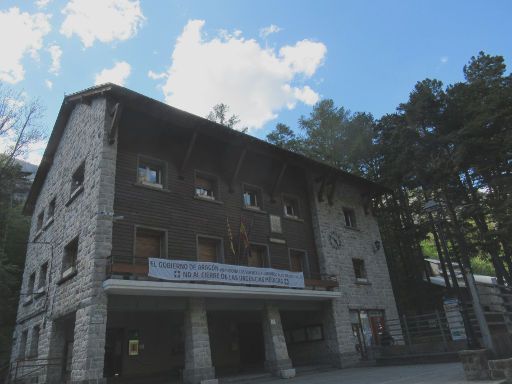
182, 270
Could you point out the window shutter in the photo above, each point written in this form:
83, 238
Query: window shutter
296, 261
257, 257
207, 249
148, 243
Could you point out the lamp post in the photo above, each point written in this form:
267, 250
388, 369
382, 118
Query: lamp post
431, 207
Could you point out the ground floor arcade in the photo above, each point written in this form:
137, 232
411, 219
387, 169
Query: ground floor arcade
139, 336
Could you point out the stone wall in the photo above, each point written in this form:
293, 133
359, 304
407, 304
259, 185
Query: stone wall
359, 242
85, 138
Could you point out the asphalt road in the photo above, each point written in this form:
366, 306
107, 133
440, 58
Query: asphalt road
450, 373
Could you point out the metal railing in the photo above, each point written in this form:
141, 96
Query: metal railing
22, 369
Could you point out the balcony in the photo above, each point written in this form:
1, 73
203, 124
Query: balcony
132, 278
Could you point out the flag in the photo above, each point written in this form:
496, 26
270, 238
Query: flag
230, 235
243, 234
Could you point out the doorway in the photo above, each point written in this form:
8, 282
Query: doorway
252, 350
114, 352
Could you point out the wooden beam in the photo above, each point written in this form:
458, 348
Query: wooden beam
321, 189
237, 170
277, 184
332, 191
367, 201
191, 144
114, 124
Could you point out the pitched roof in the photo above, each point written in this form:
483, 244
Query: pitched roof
161, 110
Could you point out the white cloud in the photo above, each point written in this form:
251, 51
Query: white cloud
56, 54
102, 20
272, 28
42, 3
255, 82
156, 76
117, 74
48, 83
443, 59
33, 153
20, 33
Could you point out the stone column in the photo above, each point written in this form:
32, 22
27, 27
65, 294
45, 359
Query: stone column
339, 338
277, 360
198, 359
89, 341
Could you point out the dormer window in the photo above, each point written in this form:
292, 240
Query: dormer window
252, 197
206, 186
151, 173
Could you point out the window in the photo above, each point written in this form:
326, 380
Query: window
291, 206
34, 342
252, 197
297, 260
149, 243
350, 217
209, 249
42, 276
77, 180
151, 172
30, 286
23, 344
206, 186
40, 219
258, 256
70, 258
359, 269
305, 334
51, 209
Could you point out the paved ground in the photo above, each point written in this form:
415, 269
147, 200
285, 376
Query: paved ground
450, 373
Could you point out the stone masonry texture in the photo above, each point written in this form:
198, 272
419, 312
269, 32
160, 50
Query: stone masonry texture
72, 312
81, 297
359, 242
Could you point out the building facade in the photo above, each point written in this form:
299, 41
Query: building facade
164, 246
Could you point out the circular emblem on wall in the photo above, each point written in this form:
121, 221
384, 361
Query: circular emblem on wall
335, 240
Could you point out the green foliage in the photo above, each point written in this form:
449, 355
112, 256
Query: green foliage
219, 114
482, 267
452, 144
428, 248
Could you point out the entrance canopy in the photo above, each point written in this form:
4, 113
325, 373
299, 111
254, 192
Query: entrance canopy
161, 288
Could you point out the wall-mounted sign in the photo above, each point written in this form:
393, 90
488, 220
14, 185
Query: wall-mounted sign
133, 347
275, 224
182, 270
335, 240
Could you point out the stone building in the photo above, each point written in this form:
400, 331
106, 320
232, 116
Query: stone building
166, 247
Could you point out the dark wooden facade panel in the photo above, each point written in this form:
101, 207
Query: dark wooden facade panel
184, 217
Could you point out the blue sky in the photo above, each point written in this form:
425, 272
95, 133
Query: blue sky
269, 60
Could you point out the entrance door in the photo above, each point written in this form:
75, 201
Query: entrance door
114, 352
252, 352
378, 327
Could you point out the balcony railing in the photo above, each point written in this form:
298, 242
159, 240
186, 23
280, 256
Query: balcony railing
138, 268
